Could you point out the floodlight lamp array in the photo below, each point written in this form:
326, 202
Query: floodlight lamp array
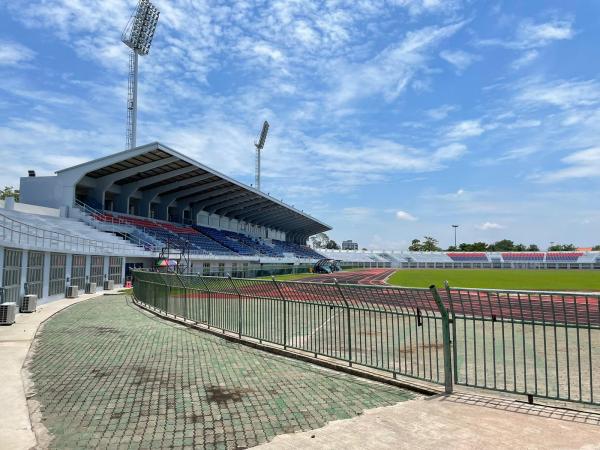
139, 32
263, 135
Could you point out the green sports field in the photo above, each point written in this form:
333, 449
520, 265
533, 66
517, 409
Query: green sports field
555, 280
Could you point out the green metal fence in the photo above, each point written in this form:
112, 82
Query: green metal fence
400, 331
539, 344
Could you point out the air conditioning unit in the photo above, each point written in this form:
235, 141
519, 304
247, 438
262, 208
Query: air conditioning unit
90, 288
8, 310
28, 303
72, 292
109, 285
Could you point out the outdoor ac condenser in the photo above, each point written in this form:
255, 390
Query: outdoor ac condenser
8, 310
72, 291
109, 285
90, 288
28, 303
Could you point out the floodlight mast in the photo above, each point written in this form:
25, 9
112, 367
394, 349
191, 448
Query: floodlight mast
137, 35
259, 146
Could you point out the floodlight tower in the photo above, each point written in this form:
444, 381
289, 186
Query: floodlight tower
259, 146
137, 35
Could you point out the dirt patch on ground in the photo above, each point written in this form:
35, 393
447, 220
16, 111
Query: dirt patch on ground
222, 395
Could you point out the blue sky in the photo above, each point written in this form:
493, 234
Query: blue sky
390, 120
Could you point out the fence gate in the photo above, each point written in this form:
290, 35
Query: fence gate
58, 264
115, 265
35, 274
78, 271
97, 270
539, 344
12, 275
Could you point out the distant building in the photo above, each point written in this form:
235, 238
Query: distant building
349, 245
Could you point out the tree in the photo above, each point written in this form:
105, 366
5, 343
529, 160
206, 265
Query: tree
319, 240
479, 247
533, 248
596, 248
430, 244
504, 245
415, 246
9, 191
332, 245
561, 248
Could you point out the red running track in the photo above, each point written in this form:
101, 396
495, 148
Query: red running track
367, 276
574, 309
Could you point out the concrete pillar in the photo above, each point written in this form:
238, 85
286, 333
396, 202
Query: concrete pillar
88, 267
123, 271
1, 266
46, 278
24, 265
69, 269
105, 270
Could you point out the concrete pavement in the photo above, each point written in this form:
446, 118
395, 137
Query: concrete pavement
15, 341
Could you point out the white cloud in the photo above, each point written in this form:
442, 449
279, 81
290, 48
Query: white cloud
449, 152
465, 129
560, 93
390, 72
13, 53
459, 58
441, 112
403, 215
531, 34
525, 59
581, 164
490, 226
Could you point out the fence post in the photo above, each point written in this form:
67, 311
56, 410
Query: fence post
454, 348
448, 378
239, 294
208, 316
185, 300
347, 321
284, 311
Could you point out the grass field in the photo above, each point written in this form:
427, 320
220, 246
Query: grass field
557, 280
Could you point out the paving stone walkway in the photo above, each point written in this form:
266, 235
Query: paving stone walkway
108, 375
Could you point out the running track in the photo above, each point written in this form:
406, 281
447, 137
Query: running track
574, 309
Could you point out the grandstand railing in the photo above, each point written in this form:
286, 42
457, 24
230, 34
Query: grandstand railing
14, 232
533, 343
399, 331
113, 224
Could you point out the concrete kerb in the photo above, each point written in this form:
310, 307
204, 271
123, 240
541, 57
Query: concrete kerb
21, 424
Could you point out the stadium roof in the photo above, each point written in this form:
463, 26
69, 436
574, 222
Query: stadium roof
168, 176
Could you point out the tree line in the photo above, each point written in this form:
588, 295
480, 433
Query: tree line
430, 244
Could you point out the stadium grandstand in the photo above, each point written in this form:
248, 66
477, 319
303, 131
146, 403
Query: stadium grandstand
584, 260
138, 208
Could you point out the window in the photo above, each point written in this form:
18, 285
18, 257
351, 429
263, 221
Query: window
12, 275
115, 265
58, 265
78, 271
35, 274
97, 270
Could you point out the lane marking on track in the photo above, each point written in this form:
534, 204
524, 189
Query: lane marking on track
301, 339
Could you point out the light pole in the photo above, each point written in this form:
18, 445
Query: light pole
455, 227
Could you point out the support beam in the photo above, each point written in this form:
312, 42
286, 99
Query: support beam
216, 201
241, 204
166, 200
128, 189
105, 182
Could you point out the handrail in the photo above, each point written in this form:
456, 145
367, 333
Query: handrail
89, 212
17, 232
